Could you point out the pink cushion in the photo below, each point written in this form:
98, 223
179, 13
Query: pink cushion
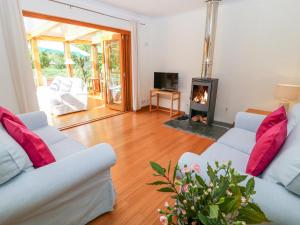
267, 148
5, 113
36, 149
272, 119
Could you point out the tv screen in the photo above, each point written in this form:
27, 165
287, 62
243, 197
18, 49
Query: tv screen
166, 81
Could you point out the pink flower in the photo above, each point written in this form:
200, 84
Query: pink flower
196, 167
183, 211
185, 188
163, 220
185, 169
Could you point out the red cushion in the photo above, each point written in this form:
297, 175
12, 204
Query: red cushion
267, 148
36, 149
272, 119
5, 113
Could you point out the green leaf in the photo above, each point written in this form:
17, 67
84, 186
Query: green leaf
158, 183
241, 178
157, 168
217, 164
222, 189
156, 175
200, 181
174, 196
208, 221
221, 200
175, 172
210, 172
169, 167
231, 204
203, 219
169, 217
250, 186
213, 211
166, 189
252, 214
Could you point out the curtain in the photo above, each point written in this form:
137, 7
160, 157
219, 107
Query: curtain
14, 36
136, 105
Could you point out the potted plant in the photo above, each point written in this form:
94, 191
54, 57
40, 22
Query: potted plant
225, 198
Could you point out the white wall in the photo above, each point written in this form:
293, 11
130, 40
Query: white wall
257, 46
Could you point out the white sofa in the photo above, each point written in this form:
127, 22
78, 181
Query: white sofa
74, 190
278, 188
64, 95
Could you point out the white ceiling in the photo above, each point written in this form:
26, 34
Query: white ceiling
156, 7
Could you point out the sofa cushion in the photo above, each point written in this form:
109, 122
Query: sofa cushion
5, 113
49, 134
240, 139
285, 168
65, 85
65, 147
266, 148
55, 84
271, 120
34, 146
13, 159
216, 152
10, 163
15, 150
293, 117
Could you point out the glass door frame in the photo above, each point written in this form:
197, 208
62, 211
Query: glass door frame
126, 50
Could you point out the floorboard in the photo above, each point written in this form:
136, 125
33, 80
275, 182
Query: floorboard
137, 139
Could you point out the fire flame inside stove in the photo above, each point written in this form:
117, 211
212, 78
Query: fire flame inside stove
202, 98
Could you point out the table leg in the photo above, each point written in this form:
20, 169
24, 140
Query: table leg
150, 102
171, 109
157, 101
178, 103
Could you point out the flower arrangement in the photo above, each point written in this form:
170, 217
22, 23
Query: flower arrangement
223, 199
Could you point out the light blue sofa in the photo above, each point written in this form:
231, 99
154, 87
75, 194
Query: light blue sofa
278, 188
74, 190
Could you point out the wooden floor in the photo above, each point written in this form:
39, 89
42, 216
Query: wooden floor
137, 138
96, 110
77, 118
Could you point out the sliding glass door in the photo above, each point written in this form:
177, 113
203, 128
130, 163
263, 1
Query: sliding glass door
114, 72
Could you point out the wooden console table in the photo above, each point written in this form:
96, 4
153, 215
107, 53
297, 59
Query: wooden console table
174, 96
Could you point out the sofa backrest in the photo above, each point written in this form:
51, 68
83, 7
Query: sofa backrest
68, 85
293, 117
13, 159
78, 86
285, 168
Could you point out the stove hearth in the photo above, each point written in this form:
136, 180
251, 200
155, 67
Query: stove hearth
203, 100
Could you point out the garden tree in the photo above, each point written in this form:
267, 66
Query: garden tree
44, 59
57, 60
82, 64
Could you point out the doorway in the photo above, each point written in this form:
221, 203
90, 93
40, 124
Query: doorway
82, 71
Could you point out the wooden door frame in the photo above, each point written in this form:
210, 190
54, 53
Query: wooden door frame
127, 55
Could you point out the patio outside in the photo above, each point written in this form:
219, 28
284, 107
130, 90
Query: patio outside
75, 68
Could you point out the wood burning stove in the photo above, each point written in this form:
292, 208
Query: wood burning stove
203, 99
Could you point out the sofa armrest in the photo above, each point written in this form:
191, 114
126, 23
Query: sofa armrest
248, 121
33, 189
34, 120
280, 205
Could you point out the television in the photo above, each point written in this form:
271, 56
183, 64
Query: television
166, 81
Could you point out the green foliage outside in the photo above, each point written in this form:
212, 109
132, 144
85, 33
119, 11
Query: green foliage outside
53, 63
82, 64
